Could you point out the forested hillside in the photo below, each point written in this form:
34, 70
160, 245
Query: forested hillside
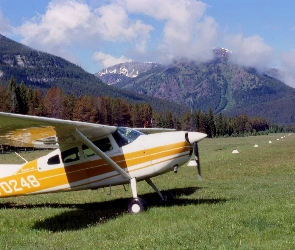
181, 87
42, 70
220, 85
18, 98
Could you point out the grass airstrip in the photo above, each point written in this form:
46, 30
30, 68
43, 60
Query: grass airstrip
245, 201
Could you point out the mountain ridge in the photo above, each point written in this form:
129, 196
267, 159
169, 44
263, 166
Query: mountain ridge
43, 70
219, 84
178, 87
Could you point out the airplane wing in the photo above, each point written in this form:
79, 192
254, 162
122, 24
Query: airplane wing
154, 130
33, 131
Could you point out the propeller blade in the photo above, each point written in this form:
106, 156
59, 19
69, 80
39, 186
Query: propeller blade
197, 159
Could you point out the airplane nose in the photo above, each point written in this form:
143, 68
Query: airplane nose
193, 137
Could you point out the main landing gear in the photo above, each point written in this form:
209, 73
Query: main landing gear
138, 205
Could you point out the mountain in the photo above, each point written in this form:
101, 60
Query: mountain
219, 84
43, 70
123, 71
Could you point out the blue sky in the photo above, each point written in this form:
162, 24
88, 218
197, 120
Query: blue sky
98, 34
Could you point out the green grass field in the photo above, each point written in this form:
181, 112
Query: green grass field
245, 201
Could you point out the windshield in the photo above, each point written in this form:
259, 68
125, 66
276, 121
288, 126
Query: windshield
124, 136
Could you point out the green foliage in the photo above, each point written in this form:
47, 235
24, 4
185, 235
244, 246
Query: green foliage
119, 112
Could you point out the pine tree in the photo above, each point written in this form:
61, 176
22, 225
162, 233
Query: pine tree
158, 120
240, 124
210, 128
22, 98
85, 110
187, 121
116, 112
176, 122
37, 107
202, 122
169, 120
12, 88
147, 113
29, 97
126, 114
136, 116
4, 100
68, 104
53, 103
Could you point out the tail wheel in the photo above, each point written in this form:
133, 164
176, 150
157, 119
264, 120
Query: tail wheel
137, 205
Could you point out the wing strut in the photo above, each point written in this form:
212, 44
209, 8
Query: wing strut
101, 154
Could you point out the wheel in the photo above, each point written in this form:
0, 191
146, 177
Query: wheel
137, 205
168, 197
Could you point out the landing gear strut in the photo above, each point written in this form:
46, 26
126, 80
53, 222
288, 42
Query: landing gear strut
165, 196
136, 205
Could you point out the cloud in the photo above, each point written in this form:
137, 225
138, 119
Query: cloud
187, 31
69, 24
114, 24
108, 60
287, 68
153, 30
5, 27
249, 51
65, 25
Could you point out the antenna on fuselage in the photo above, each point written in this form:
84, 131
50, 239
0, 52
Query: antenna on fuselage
21, 157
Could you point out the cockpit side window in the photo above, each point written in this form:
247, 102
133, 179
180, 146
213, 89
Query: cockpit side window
53, 160
103, 144
121, 141
124, 136
70, 155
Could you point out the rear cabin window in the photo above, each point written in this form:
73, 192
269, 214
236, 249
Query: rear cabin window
103, 144
70, 155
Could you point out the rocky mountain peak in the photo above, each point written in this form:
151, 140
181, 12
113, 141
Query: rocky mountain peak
120, 72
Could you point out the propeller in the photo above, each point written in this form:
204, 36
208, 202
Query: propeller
197, 159
193, 138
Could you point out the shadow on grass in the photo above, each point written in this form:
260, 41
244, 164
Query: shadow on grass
91, 214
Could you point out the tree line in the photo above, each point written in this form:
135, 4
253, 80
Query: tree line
18, 98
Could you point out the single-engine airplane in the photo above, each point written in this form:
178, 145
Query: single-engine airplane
91, 156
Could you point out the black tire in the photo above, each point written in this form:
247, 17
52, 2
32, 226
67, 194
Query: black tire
137, 205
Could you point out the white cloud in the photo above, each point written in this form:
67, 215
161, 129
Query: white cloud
5, 27
66, 24
249, 51
108, 60
69, 24
114, 24
288, 68
63, 26
182, 29
187, 31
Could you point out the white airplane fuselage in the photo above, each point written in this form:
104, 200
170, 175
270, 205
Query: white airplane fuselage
78, 168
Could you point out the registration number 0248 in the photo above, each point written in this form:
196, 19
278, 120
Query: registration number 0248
8, 187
